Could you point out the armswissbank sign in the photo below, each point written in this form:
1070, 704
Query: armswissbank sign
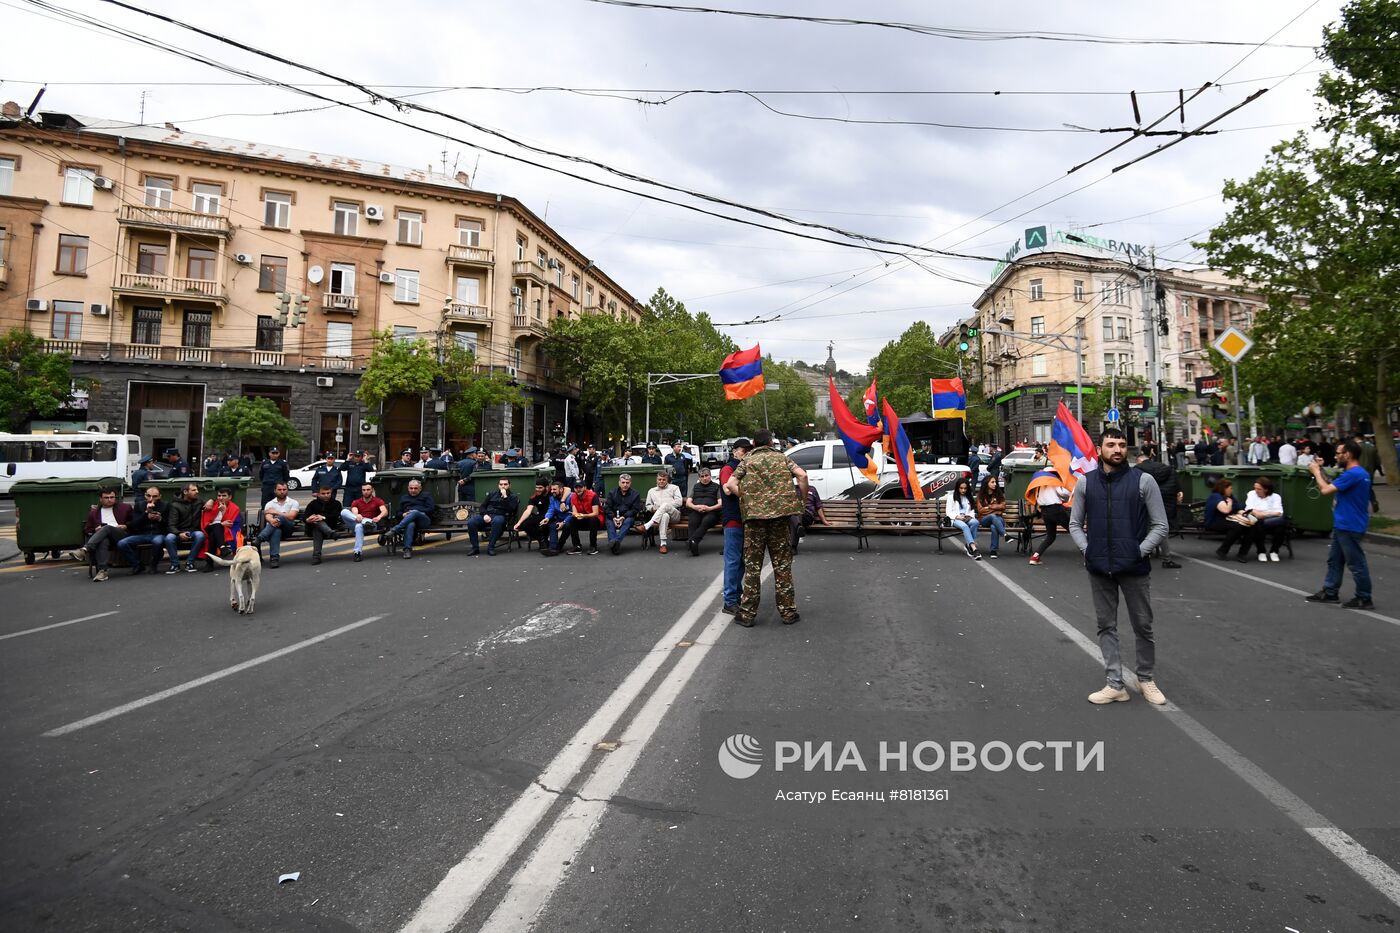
1044, 238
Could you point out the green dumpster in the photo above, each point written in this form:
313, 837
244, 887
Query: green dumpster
643, 477
1305, 504
522, 482
440, 484
209, 486
1019, 476
50, 512
1198, 481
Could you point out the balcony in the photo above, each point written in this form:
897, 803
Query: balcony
343, 363
529, 326
525, 269
169, 218
169, 287
472, 314
174, 355
472, 256
332, 303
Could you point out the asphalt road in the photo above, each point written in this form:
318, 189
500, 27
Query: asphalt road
473, 743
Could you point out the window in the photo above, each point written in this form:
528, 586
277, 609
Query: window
1078, 289
145, 326
200, 265
406, 286
404, 334
205, 197
559, 275
466, 340
277, 209
7, 175
1110, 361
269, 334
77, 185
588, 297
342, 281
67, 320
195, 333
812, 458
1038, 326
159, 191
1108, 328
1189, 371
575, 285
411, 228
347, 217
541, 259
1186, 340
72, 254
515, 356
338, 338
520, 245
272, 274
1037, 289
468, 232
151, 258
839, 457
468, 290
1123, 333
1186, 307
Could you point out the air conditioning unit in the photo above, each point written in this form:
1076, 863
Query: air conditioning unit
374, 213
516, 291
387, 278
243, 259
99, 427
36, 304
511, 371
100, 310
102, 184
324, 382
367, 427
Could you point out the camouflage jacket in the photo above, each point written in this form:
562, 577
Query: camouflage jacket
766, 488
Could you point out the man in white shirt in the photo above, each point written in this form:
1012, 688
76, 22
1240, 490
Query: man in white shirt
278, 513
571, 468
1288, 454
1259, 451
664, 503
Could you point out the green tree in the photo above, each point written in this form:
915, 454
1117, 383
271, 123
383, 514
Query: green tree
601, 354
1314, 230
469, 392
415, 367
33, 383
255, 421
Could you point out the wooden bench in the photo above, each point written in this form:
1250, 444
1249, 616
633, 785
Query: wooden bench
864, 517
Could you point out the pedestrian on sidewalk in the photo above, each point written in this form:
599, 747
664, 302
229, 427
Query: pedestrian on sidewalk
763, 480
1117, 519
1349, 520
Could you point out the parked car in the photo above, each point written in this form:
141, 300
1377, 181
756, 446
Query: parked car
301, 478
831, 473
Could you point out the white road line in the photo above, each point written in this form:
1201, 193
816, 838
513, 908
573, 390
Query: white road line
45, 628
464, 882
1351, 853
206, 679
1288, 589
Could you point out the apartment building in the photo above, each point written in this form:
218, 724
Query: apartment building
1065, 284
156, 257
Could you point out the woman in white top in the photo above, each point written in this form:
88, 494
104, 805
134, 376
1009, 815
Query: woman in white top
1051, 502
1261, 518
961, 509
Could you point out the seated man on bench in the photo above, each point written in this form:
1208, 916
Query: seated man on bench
183, 529
532, 523
278, 514
366, 514
664, 505
416, 509
703, 505
323, 519
494, 514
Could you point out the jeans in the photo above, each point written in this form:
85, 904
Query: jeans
733, 565
968, 529
130, 543
617, 531
411, 522
998, 526
1053, 516
358, 527
1345, 550
274, 534
1137, 593
494, 530
172, 545
99, 545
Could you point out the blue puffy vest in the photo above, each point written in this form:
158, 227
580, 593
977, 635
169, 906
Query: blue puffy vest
1115, 522
729, 505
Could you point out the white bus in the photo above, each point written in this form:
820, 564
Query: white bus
67, 456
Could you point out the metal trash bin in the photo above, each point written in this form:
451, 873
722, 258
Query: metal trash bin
643, 477
1304, 503
522, 482
1019, 478
49, 513
391, 484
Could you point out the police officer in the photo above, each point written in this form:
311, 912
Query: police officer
440, 461
274, 470
465, 468
212, 465
233, 467
327, 475
179, 469
140, 476
356, 470
764, 482
425, 457
405, 458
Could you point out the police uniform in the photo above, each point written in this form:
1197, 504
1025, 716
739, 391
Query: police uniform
768, 497
327, 476
356, 473
179, 469
235, 471
139, 478
273, 472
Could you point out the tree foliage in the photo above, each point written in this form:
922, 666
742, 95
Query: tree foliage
252, 421
416, 368
33, 383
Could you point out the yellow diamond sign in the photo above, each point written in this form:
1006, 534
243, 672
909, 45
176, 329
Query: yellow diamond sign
1232, 344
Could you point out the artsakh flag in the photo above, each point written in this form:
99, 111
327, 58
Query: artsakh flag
949, 398
742, 373
1071, 453
871, 415
903, 453
856, 437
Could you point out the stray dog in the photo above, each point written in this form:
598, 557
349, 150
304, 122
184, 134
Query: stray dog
244, 574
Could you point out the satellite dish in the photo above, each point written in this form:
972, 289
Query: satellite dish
315, 274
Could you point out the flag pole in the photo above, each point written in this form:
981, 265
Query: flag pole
765, 408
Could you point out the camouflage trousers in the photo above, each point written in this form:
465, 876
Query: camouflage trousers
775, 536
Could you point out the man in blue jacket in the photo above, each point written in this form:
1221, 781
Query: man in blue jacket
416, 510
1117, 519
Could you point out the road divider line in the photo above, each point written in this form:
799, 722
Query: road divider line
45, 628
206, 679
459, 890
1287, 589
1351, 853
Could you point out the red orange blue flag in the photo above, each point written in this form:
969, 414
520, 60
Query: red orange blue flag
1071, 453
871, 415
902, 452
855, 436
742, 373
949, 398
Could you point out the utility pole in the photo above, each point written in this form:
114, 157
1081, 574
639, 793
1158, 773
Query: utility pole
629, 409
1150, 335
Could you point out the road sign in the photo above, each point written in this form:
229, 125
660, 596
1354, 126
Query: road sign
1113, 414
1150, 413
1233, 344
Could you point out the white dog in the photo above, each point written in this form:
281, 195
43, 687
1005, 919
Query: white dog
244, 574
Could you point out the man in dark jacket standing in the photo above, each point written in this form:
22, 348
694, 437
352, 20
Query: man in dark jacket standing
327, 475
1171, 497
356, 471
1117, 519
274, 470
141, 476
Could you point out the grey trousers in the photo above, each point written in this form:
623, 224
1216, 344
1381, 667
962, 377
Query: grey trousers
1137, 593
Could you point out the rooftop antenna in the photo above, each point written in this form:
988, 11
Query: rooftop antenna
142, 120
28, 114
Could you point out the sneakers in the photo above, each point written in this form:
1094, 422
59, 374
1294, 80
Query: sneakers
1322, 596
1035, 560
1356, 602
575, 551
730, 609
190, 567
592, 551
173, 568
615, 547
548, 552
992, 555
1223, 555
100, 577
694, 548
358, 557
274, 562
1170, 564
474, 552
407, 553
1151, 693
1263, 558
1109, 694
79, 554
1273, 556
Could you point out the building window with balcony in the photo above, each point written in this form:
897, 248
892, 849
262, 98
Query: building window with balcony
200, 265
347, 217
515, 356
1078, 289
269, 334
151, 258
67, 321
405, 334
1038, 326
517, 300
342, 280
72, 254
410, 228
277, 210
196, 330
1037, 289
406, 286
541, 259
77, 185
465, 340
272, 274
159, 191
206, 197
468, 232
520, 246
575, 291
145, 326
7, 175
1038, 365
339, 336
468, 290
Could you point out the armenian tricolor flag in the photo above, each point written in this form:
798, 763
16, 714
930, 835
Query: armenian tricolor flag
949, 398
903, 453
856, 437
1071, 453
742, 373
871, 415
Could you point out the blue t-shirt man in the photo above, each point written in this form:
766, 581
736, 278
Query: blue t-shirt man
1352, 509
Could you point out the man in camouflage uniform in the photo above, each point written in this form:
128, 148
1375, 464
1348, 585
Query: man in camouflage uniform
764, 483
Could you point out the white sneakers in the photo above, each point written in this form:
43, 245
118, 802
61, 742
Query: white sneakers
1263, 558
1151, 693
1112, 694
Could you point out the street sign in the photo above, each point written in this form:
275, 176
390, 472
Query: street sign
1150, 412
1113, 414
771, 386
1137, 402
1233, 344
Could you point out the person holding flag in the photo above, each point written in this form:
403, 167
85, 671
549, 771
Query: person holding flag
1071, 454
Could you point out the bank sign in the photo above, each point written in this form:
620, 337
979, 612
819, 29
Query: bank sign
1042, 238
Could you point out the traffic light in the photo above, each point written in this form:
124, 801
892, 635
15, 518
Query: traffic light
964, 333
283, 301
299, 303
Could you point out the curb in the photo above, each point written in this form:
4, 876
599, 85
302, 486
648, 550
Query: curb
1384, 540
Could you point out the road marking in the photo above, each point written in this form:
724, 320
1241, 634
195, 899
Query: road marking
1350, 852
458, 891
1288, 589
45, 628
206, 679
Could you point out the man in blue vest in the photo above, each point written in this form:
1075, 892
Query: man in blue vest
1117, 519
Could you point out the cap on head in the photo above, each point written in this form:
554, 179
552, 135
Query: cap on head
147, 459
274, 450
172, 451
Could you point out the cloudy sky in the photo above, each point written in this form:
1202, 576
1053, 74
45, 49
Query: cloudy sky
958, 189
